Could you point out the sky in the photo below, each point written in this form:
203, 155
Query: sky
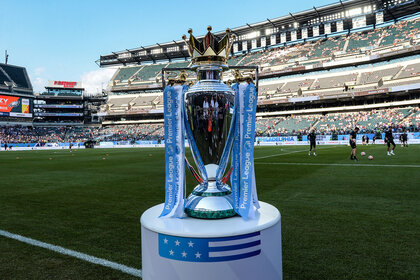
61, 40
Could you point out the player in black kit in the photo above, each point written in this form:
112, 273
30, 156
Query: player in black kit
353, 136
389, 139
312, 140
404, 137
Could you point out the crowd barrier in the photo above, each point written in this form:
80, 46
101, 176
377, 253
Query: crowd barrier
413, 138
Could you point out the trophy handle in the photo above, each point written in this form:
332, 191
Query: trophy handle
193, 172
227, 176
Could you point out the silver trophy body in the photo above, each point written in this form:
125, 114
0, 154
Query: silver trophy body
209, 110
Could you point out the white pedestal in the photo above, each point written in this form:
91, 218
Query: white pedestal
225, 249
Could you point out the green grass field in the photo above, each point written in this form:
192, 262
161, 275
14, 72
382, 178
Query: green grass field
340, 220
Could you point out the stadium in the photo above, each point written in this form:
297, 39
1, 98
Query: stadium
79, 169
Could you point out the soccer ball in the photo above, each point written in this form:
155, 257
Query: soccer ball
370, 157
362, 153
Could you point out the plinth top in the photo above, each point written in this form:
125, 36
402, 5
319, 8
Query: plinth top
265, 217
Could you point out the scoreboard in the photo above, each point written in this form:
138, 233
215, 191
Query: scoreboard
15, 106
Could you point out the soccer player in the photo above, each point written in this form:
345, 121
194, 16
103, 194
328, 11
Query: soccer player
389, 139
312, 141
367, 139
373, 139
405, 139
363, 140
353, 136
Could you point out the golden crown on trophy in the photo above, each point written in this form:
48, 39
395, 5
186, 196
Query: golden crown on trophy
209, 50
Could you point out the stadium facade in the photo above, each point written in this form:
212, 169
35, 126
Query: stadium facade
312, 24
65, 104
61, 104
347, 56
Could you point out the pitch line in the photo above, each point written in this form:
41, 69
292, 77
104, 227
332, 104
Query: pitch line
75, 254
340, 164
288, 153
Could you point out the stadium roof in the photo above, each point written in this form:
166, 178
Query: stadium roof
344, 11
14, 80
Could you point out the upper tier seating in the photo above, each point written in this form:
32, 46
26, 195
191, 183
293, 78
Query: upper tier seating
334, 81
375, 76
125, 73
149, 72
410, 71
122, 101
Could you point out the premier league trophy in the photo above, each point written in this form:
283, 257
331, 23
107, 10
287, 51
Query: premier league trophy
221, 230
209, 107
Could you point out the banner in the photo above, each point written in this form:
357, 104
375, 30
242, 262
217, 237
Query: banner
59, 114
146, 142
277, 139
173, 102
247, 117
58, 106
235, 162
359, 22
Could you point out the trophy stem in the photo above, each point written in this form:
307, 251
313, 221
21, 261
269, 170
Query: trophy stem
210, 202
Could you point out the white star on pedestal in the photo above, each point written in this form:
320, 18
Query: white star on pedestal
165, 241
177, 243
190, 244
198, 255
171, 252
184, 255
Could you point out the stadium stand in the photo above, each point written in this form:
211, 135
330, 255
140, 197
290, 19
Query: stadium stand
296, 85
327, 47
125, 73
400, 32
120, 102
409, 71
343, 83
360, 41
375, 76
406, 118
334, 81
149, 72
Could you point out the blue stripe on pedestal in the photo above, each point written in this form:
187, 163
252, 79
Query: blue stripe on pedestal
210, 249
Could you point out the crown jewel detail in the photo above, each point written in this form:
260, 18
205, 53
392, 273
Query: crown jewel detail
209, 50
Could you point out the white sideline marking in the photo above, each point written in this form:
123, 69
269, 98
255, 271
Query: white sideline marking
275, 155
292, 152
78, 255
340, 164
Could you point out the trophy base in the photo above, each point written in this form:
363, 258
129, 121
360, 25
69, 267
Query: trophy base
210, 202
200, 214
222, 249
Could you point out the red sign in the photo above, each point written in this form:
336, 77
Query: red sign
65, 84
7, 103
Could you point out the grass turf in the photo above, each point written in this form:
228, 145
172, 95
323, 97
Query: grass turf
338, 222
